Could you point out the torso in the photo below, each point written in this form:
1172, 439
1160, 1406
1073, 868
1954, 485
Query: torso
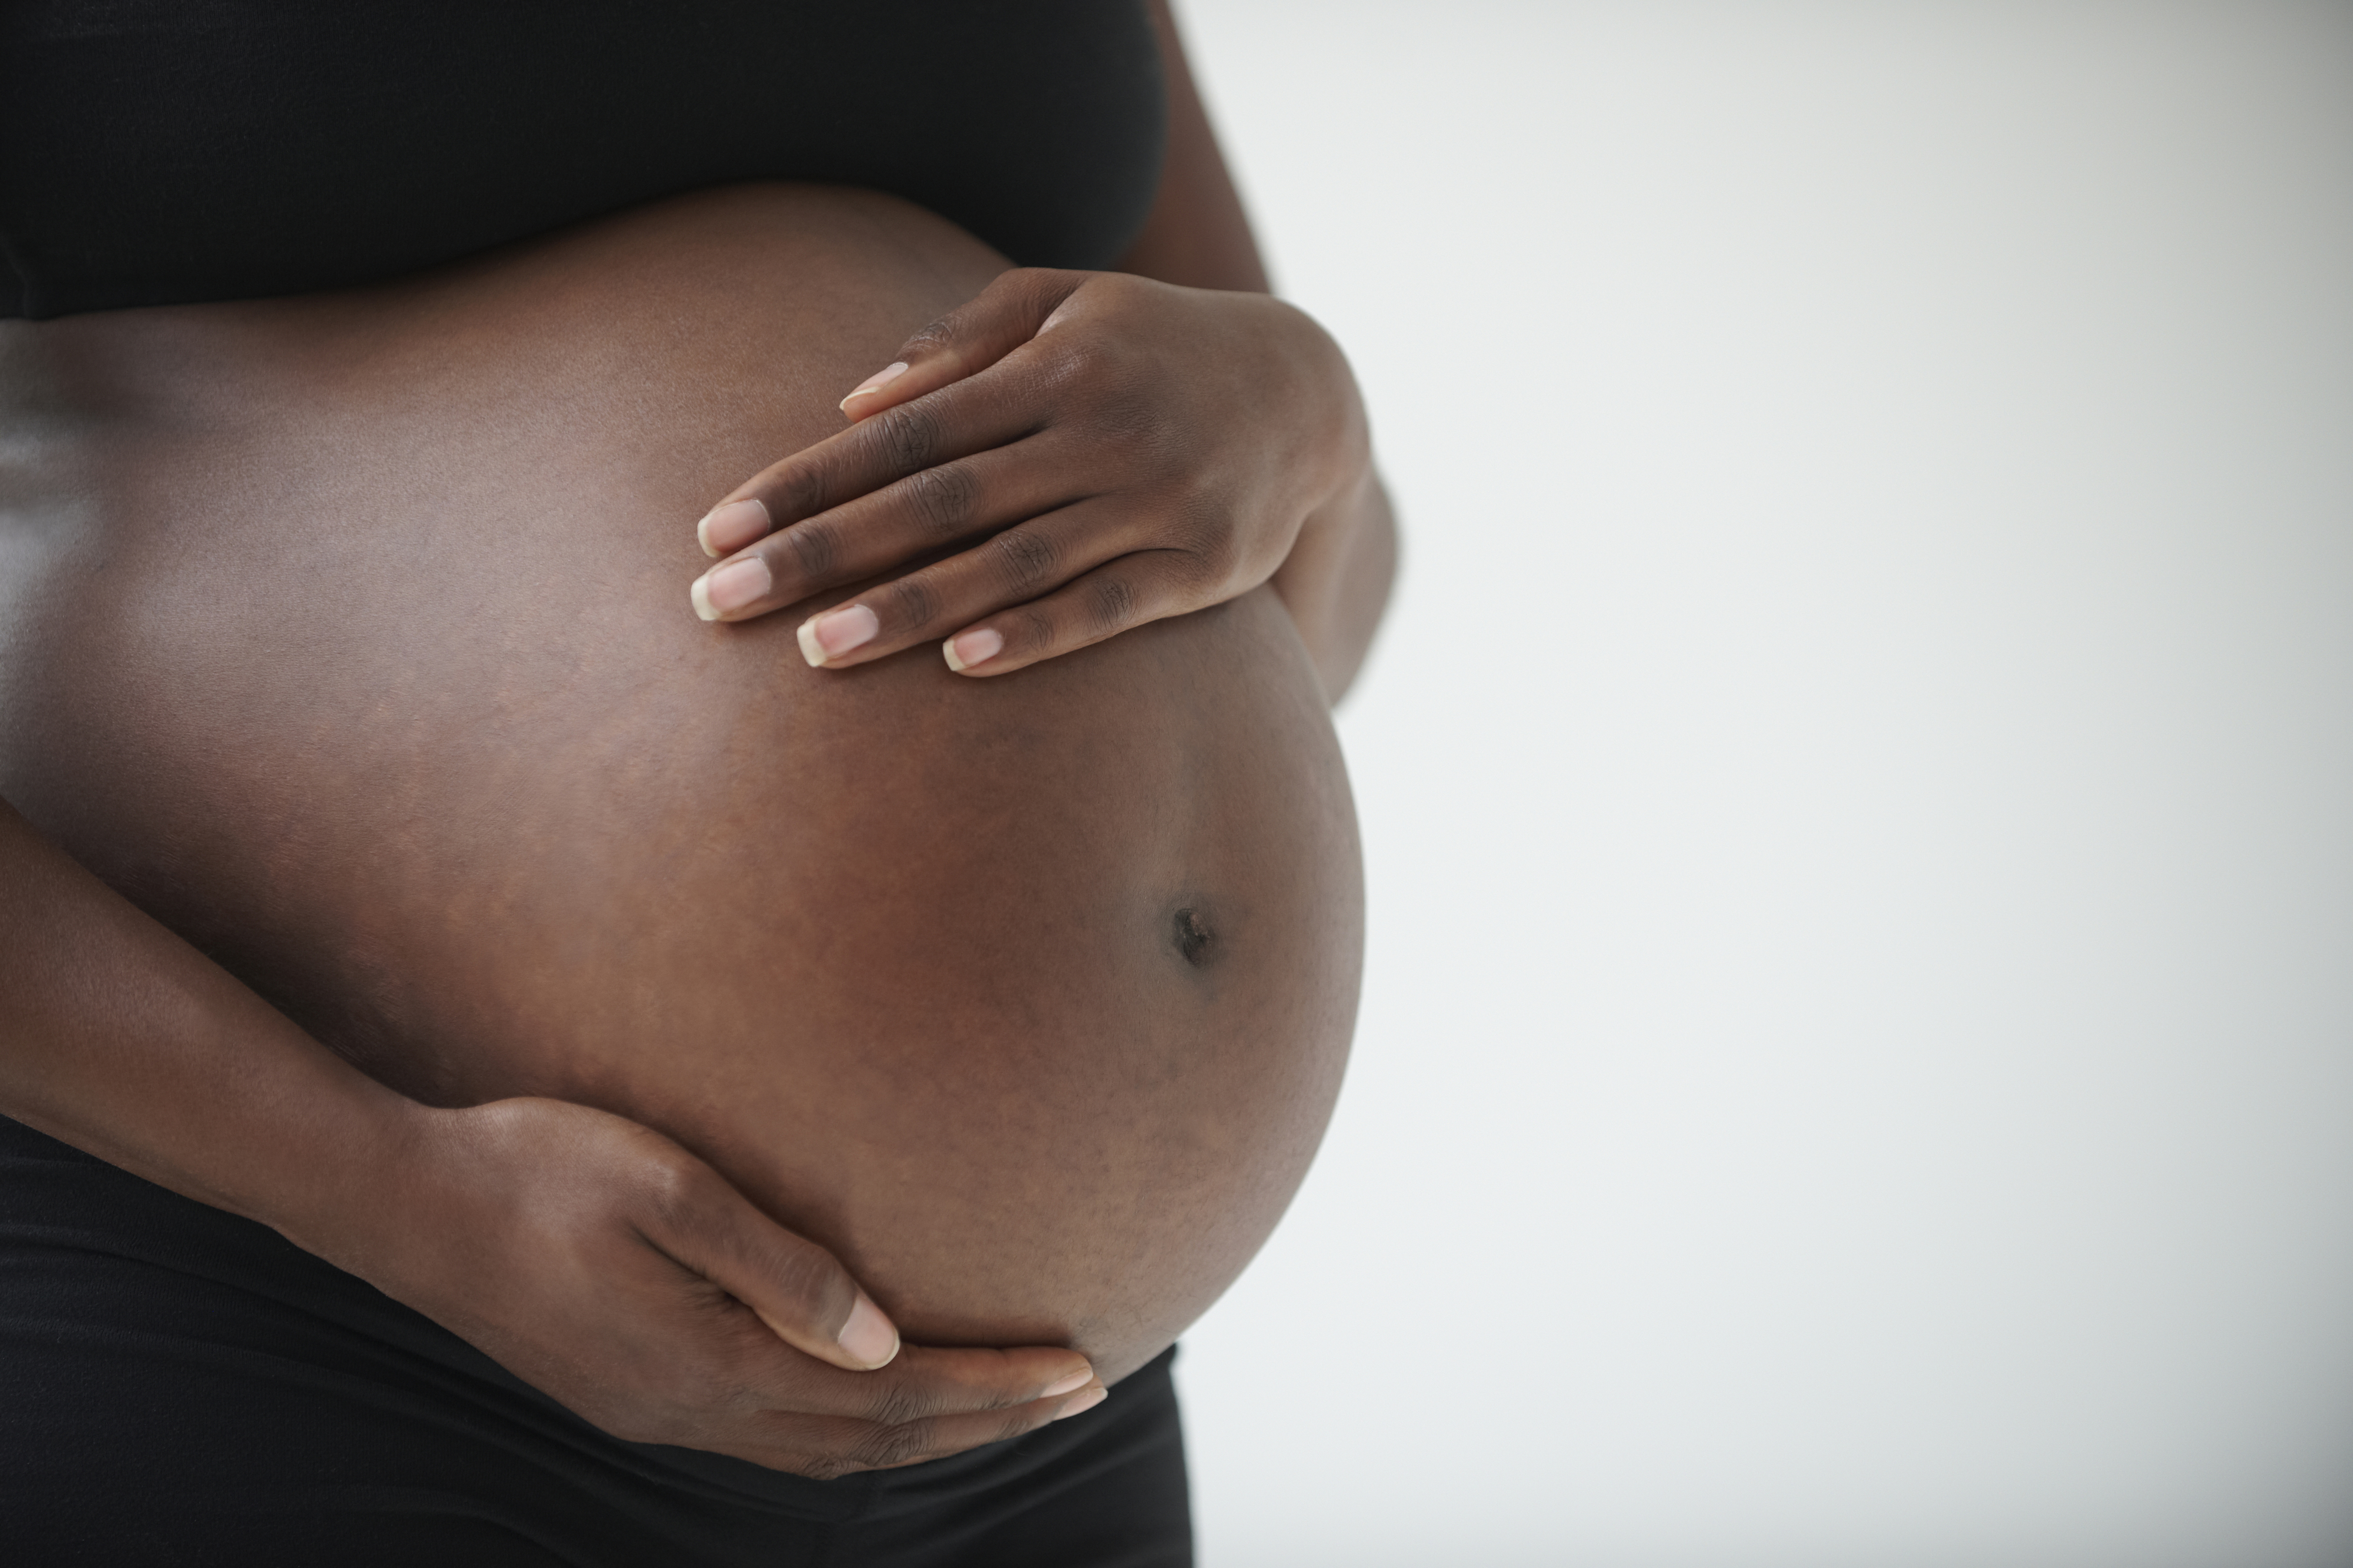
348, 636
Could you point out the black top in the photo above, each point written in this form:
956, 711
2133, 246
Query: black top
164, 152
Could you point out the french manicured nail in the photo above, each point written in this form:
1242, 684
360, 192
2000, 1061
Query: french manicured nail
880, 378
868, 1336
1079, 1379
725, 530
1085, 1401
829, 637
729, 587
975, 647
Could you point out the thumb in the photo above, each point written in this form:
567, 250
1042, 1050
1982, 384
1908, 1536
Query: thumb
968, 339
796, 1286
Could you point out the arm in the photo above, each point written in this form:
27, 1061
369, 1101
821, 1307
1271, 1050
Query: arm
1196, 233
122, 1040
561, 1240
1175, 442
1337, 579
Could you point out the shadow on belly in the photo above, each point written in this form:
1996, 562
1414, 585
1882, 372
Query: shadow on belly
1028, 995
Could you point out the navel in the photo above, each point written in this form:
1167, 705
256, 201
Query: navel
1194, 939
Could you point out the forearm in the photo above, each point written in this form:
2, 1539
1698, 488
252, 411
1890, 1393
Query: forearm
1335, 582
122, 1040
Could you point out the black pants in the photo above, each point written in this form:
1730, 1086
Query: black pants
181, 1387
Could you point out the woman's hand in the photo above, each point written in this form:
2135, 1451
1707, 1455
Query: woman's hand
608, 1265
1105, 450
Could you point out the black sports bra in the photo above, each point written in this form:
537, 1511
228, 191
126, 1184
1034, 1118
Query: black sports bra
164, 152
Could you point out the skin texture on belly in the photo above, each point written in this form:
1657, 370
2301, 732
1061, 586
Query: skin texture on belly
348, 636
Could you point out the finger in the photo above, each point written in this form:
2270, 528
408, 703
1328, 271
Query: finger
796, 1286
915, 516
1006, 569
924, 1382
970, 338
940, 1436
828, 1448
995, 409
1147, 586
875, 451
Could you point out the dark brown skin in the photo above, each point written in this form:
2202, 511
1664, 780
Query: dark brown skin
1123, 450
345, 677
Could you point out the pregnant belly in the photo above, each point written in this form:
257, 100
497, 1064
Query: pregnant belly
349, 637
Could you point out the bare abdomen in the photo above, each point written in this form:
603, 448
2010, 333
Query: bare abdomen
349, 635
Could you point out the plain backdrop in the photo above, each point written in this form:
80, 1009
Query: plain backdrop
1856, 1066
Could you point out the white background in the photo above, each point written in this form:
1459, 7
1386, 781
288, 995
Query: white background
1857, 1059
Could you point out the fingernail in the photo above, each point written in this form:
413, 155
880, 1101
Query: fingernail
1083, 1403
729, 587
725, 530
1079, 1379
868, 1336
975, 647
883, 377
831, 635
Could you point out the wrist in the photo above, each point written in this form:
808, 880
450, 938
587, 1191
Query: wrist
1336, 582
347, 1180
1342, 459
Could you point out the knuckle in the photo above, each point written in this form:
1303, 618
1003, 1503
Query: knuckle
1213, 556
1026, 558
815, 549
1126, 395
943, 500
899, 1403
798, 490
827, 1467
807, 1276
1034, 288
672, 1191
1112, 600
936, 335
908, 437
887, 1447
911, 602
1097, 364
1205, 536
1034, 627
